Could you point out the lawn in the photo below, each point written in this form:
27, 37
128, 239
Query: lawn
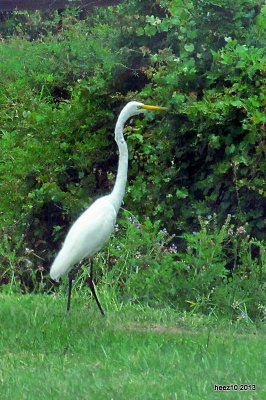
132, 353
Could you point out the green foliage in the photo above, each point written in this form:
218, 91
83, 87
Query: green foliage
140, 267
224, 270
219, 271
52, 131
64, 78
213, 145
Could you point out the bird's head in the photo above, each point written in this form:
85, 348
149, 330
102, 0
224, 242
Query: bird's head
134, 108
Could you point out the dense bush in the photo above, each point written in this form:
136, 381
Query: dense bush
143, 264
213, 144
64, 79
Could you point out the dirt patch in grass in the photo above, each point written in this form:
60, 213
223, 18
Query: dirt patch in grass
150, 327
173, 329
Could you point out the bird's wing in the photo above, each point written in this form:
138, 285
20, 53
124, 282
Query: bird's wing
86, 236
92, 228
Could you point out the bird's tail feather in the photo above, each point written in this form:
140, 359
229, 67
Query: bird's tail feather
60, 267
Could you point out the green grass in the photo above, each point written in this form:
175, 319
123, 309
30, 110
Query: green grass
133, 353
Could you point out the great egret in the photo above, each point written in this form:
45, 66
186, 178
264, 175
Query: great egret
94, 227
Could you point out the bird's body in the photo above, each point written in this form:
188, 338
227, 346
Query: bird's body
87, 236
95, 226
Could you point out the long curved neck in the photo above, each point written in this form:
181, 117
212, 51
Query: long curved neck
118, 191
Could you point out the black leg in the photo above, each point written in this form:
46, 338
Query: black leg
92, 288
70, 282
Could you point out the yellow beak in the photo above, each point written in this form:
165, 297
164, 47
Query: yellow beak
153, 108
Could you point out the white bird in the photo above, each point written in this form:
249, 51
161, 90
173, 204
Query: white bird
95, 226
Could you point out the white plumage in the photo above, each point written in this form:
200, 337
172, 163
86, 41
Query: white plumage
88, 234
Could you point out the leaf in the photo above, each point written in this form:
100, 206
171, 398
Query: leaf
230, 149
181, 193
189, 47
178, 98
137, 137
237, 103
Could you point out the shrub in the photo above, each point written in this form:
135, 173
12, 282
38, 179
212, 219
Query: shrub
208, 155
219, 271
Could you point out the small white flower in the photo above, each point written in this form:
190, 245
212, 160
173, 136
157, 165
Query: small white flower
228, 39
137, 254
230, 232
241, 230
173, 248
